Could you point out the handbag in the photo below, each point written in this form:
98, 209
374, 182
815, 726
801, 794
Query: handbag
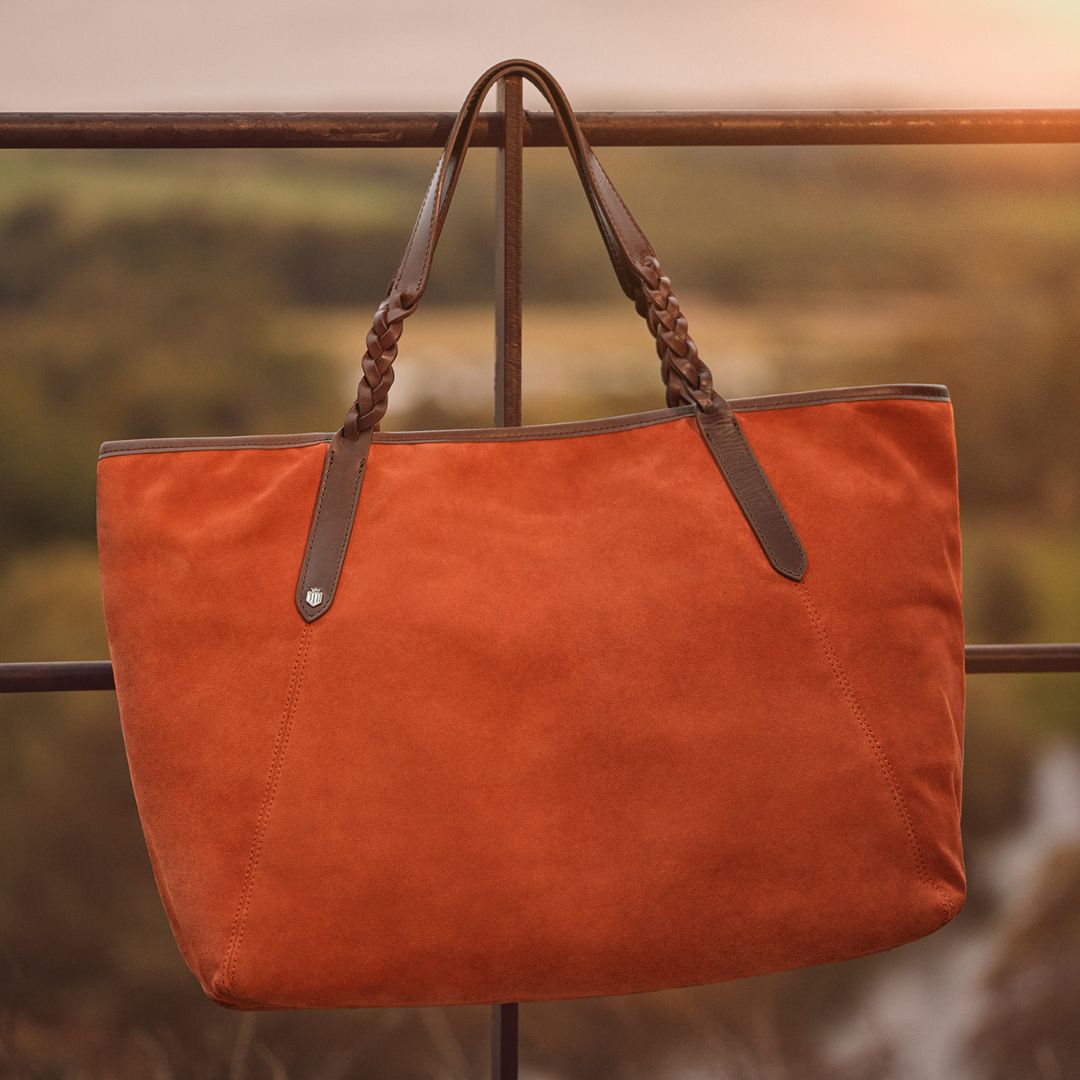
511, 714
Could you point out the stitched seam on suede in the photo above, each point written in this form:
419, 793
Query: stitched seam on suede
875, 745
270, 788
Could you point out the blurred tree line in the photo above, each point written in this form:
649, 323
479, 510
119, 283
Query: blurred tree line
145, 304
151, 294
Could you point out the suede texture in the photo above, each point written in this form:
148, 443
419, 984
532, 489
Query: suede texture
564, 732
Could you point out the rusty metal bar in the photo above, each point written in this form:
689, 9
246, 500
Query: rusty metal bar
1018, 659
395, 129
504, 1042
980, 660
44, 678
509, 248
509, 226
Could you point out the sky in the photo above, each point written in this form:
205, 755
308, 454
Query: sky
117, 55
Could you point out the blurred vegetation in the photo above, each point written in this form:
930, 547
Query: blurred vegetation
155, 294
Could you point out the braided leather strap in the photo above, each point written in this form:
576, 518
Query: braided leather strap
377, 368
686, 376
687, 380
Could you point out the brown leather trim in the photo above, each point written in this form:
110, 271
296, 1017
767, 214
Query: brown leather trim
119, 447
753, 493
529, 432
331, 524
886, 392
802, 399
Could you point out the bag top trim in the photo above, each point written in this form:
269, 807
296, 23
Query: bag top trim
801, 399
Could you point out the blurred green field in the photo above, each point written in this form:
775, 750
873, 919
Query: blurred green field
149, 294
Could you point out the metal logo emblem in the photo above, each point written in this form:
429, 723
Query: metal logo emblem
314, 596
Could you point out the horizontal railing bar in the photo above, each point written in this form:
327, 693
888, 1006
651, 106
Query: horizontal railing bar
45, 677
1019, 659
389, 129
979, 660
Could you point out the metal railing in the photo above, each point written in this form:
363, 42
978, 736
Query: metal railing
511, 129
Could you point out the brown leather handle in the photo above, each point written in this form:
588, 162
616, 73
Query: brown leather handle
685, 375
687, 378
625, 241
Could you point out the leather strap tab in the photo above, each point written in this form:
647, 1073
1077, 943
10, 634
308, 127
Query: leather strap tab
753, 492
331, 524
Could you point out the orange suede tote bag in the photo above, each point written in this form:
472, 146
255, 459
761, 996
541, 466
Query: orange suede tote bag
526, 713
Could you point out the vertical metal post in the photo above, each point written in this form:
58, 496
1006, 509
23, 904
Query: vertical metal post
508, 255
504, 1042
508, 275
